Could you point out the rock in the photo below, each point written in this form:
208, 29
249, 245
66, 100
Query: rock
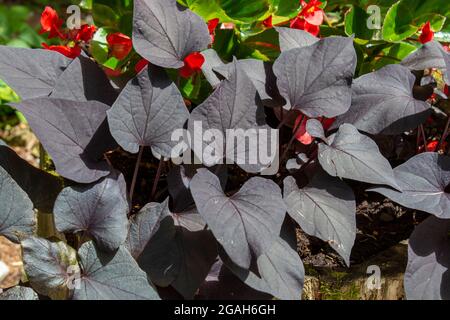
379, 278
11, 257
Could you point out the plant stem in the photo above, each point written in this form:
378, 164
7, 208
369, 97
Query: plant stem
158, 176
424, 137
444, 134
136, 170
292, 139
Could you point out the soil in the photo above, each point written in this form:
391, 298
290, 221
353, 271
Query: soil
381, 224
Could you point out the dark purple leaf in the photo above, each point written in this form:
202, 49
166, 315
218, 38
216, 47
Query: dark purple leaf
352, 155
294, 38
233, 105
73, 133
317, 79
42, 188
146, 113
31, 73
50, 266
98, 210
111, 276
326, 209
262, 77
383, 102
17, 218
164, 32
246, 223
427, 275
423, 181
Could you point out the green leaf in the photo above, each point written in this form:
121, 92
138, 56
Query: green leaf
356, 23
406, 17
286, 8
245, 10
104, 15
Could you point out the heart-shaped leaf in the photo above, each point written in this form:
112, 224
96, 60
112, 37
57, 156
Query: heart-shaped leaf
383, 102
246, 223
281, 272
74, 135
294, 38
84, 80
169, 253
111, 276
352, 155
146, 113
317, 79
326, 209
427, 272
262, 76
50, 267
233, 105
31, 73
17, 218
98, 210
198, 252
315, 129
144, 225
19, 293
164, 32
42, 188
423, 181
430, 55
179, 179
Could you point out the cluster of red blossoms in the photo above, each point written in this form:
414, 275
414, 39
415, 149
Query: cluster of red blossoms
120, 45
52, 24
310, 18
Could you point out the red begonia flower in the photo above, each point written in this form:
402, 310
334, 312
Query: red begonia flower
141, 65
120, 45
111, 72
300, 130
212, 25
85, 33
268, 22
70, 52
327, 123
192, 64
432, 146
302, 24
312, 12
427, 34
50, 22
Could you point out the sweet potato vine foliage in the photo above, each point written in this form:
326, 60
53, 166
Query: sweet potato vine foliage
106, 91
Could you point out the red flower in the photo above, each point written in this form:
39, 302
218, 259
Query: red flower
446, 91
141, 65
111, 72
268, 22
312, 12
120, 45
50, 22
302, 24
85, 33
301, 134
327, 123
192, 64
70, 52
212, 25
427, 34
432, 146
